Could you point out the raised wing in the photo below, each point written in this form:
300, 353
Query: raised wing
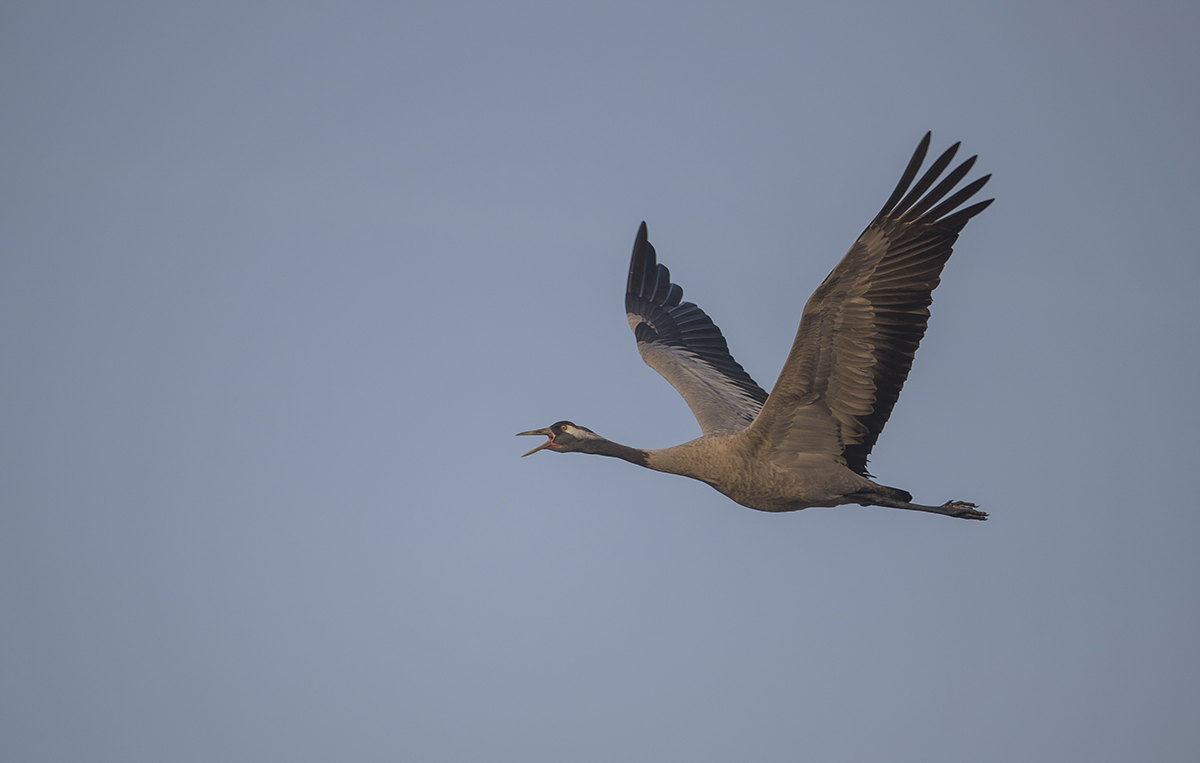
679, 341
861, 327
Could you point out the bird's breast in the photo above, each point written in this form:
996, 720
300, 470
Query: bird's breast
731, 466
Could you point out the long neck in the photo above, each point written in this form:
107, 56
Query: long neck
603, 447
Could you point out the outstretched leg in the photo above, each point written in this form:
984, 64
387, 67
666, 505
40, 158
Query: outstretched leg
960, 509
896, 500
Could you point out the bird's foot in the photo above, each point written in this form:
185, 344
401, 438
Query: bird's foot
964, 510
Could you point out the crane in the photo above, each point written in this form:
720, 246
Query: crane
806, 444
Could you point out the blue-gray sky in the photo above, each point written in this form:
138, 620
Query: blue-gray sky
280, 281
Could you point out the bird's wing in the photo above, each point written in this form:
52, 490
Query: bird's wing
861, 327
679, 341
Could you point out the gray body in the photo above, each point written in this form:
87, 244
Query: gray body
806, 444
734, 467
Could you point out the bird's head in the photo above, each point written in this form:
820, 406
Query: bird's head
565, 437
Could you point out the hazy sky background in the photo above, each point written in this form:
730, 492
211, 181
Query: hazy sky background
279, 282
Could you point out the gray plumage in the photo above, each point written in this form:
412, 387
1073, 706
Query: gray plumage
806, 444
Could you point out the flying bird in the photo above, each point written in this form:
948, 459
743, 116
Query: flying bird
806, 444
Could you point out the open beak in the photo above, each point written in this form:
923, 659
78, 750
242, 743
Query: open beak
546, 444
